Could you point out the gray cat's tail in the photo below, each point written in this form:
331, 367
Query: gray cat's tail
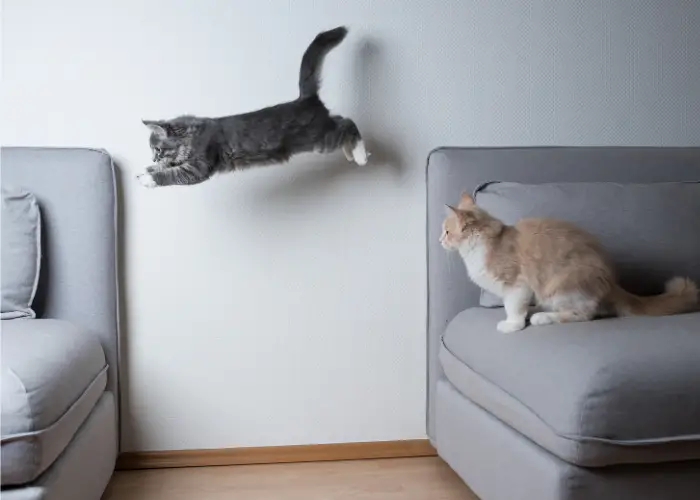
311, 63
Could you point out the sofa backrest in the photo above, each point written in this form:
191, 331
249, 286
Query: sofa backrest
450, 171
76, 190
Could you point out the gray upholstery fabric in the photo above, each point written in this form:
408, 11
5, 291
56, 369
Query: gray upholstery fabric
85, 467
20, 254
52, 375
451, 171
649, 230
622, 390
500, 464
76, 190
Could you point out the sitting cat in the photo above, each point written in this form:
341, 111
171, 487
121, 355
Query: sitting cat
563, 267
189, 150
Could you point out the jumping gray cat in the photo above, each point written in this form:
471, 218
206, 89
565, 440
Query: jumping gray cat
189, 150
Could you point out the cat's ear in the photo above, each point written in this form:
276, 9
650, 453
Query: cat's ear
156, 127
466, 201
450, 210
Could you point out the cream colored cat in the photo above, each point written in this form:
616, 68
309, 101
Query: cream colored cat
564, 268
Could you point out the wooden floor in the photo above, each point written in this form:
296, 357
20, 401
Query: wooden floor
387, 479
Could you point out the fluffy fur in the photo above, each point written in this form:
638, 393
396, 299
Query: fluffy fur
562, 267
189, 150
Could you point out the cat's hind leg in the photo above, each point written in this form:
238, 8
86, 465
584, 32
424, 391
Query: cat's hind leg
359, 152
549, 318
347, 151
567, 308
347, 136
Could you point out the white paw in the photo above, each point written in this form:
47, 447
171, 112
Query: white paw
146, 179
347, 151
541, 318
359, 153
507, 326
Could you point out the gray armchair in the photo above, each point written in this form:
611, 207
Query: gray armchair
608, 409
60, 371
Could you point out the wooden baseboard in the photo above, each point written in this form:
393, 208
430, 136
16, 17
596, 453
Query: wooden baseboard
275, 454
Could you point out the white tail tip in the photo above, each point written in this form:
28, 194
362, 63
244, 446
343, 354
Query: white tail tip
681, 286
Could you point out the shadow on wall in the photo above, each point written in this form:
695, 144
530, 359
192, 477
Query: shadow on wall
373, 96
318, 172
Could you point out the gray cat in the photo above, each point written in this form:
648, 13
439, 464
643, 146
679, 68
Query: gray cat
189, 150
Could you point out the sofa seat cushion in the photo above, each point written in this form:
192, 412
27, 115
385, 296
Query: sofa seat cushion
610, 391
53, 373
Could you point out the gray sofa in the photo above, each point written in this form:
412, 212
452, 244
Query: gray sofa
608, 409
60, 370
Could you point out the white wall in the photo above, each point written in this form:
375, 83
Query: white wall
287, 305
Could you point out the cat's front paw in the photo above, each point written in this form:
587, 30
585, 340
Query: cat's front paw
541, 318
146, 179
509, 326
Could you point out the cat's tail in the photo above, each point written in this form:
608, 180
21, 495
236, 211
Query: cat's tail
681, 296
311, 63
